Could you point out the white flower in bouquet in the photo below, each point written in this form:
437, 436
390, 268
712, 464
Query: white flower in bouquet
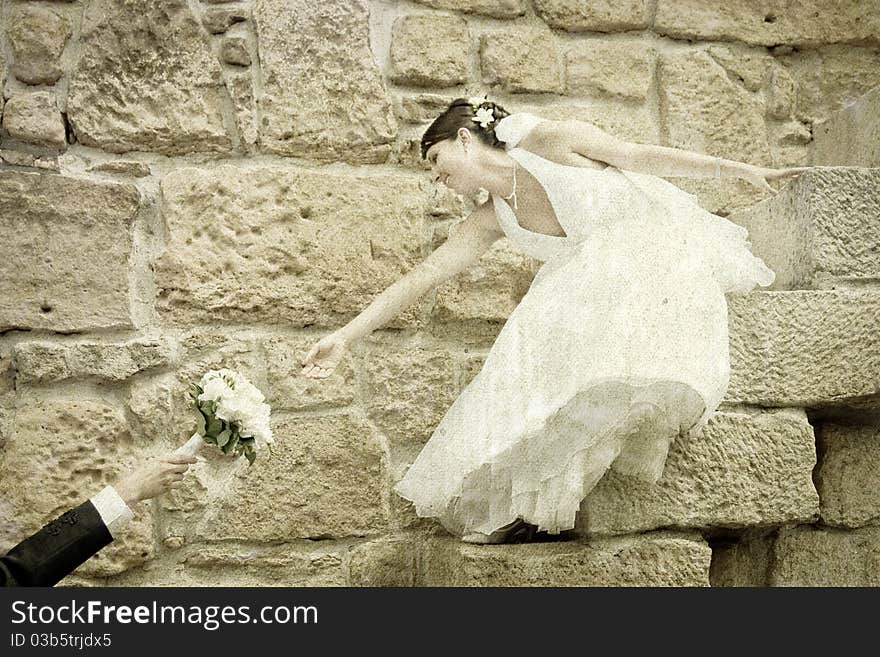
233, 415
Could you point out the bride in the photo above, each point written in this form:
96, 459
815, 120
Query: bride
620, 344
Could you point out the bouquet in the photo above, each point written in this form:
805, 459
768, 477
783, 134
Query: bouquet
232, 415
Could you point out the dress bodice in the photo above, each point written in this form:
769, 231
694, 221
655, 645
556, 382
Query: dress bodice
588, 200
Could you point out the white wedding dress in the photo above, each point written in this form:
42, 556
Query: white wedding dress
619, 346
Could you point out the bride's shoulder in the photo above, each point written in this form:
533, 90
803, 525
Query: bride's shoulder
530, 130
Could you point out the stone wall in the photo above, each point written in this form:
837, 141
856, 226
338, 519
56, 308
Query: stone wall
190, 184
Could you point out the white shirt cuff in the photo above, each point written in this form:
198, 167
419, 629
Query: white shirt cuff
112, 509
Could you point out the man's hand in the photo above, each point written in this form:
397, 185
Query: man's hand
153, 478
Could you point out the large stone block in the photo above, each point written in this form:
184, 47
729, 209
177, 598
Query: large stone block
291, 564
493, 8
526, 60
342, 114
410, 384
744, 470
616, 68
34, 118
60, 453
803, 348
37, 35
596, 15
430, 51
849, 466
325, 478
648, 560
289, 389
851, 136
807, 22
42, 361
702, 110
489, 290
391, 561
284, 245
147, 80
65, 255
808, 556
820, 229
831, 77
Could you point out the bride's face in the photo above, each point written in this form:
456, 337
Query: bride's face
453, 163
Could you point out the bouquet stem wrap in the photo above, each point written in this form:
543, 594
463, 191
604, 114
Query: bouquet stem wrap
191, 447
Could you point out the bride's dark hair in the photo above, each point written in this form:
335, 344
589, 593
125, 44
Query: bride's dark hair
460, 114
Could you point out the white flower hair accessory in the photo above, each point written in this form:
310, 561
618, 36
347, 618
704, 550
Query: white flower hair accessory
484, 116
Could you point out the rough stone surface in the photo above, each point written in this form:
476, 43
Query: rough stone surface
830, 78
702, 110
848, 470
488, 290
744, 563
410, 385
147, 80
493, 8
748, 66
745, 470
310, 115
37, 35
807, 556
850, 137
522, 61
803, 348
69, 449
283, 245
822, 228
289, 389
596, 15
428, 50
648, 560
42, 361
64, 259
617, 68
234, 50
422, 108
123, 168
219, 20
241, 90
808, 22
291, 564
34, 118
389, 561
324, 479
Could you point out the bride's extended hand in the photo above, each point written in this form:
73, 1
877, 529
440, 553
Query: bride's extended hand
761, 176
323, 358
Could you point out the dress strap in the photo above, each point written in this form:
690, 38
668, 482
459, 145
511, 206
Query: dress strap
512, 129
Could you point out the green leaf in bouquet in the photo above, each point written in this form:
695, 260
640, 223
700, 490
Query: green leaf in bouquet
223, 437
250, 453
215, 426
232, 444
200, 424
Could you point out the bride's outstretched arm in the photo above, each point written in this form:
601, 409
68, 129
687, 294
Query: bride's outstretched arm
592, 142
467, 242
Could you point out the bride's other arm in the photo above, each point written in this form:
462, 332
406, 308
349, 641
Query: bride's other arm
590, 141
466, 243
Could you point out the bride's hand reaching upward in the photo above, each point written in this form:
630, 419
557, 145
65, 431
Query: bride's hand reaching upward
324, 356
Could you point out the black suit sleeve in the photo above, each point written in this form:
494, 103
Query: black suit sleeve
56, 550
